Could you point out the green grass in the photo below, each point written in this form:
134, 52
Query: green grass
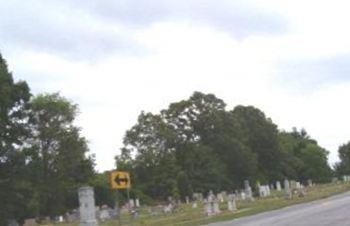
187, 216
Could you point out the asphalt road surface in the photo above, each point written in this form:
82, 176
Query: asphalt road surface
332, 211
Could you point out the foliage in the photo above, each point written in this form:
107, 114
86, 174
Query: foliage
343, 167
43, 157
58, 159
196, 145
14, 97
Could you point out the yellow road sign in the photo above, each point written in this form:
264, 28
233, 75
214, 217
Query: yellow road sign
120, 180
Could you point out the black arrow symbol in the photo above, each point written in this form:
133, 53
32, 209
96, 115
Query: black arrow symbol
120, 180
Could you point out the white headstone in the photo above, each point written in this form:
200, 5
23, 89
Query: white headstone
194, 205
104, 215
208, 209
131, 203
231, 203
268, 192
309, 182
216, 208
187, 200
248, 191
287, 190
243, 196
137, 203
278, 186
87, 207
220, 197
211, 196
168, 208
293, 184
261, 191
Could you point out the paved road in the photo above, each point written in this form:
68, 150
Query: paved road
332, 211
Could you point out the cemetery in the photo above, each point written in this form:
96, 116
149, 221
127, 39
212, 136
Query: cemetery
200, 209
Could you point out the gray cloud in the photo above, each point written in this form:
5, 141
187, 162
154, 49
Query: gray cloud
46, 28
232, 16
64, 27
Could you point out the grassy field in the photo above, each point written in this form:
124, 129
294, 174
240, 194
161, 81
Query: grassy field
187, 216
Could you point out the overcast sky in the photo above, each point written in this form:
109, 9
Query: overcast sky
116, 58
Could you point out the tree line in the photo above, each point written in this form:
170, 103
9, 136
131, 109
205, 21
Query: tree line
194, 145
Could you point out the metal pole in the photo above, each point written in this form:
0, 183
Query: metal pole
129, 207
118, 209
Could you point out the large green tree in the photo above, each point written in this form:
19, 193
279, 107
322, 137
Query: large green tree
15, 190
59, 160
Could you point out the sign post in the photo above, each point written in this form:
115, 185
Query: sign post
120, 180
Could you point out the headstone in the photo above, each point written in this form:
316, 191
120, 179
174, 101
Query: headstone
264, 191
298, 185
309, 183
220, 197
87, 207
268, 191
131, 203
104, 215
293, 185
231, 203
194, 205
137, 203
216, 208
211, 196
278, 186
30, 222
334, 179
208, 209
224, 195
73, 216
248, 191
113, 214
346, 178
287, 190
187, 200
243, 196
168, 209
261, 191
